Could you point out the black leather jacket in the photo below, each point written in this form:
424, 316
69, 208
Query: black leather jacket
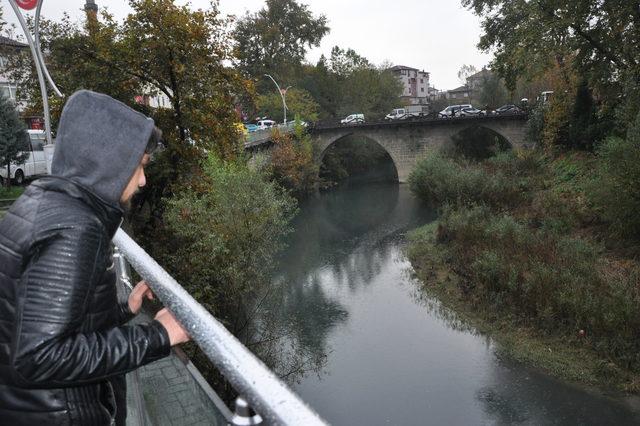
63, 348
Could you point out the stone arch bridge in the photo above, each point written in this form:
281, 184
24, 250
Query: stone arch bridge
408, 141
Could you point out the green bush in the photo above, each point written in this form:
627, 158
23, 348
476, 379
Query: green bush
535, 125
292, 162
438, 179
617, 190
225, 236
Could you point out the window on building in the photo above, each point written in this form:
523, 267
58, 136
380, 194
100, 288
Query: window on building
422, 89
8, 91
421, 81
466, 95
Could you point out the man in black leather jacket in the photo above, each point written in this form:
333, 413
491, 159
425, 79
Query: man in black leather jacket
64, 348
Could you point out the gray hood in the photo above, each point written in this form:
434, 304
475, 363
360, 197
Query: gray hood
99, 144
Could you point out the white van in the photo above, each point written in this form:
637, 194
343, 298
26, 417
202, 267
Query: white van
353, 118
35, 165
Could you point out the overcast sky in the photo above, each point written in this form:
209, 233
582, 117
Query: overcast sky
438, 36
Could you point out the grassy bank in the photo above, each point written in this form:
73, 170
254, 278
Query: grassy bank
527, 250
8, 194
11, 192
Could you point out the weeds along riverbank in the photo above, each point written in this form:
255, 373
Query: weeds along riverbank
542, 252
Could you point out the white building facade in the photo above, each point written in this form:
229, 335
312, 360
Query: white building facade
9, 88
415, 84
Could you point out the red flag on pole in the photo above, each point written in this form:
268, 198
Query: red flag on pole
27, 4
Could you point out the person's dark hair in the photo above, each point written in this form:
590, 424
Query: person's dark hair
155, 141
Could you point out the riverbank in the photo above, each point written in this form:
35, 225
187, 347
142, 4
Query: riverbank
11, 192
520, 251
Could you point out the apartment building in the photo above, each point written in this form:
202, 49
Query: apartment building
415, 84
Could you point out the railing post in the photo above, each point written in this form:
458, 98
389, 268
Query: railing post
244, 415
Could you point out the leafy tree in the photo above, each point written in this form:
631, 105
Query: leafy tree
492, 91
371, 91
160, 48
465, 72
558, 115
186, 64
343, 63
13, 137
583, 127
78, 57
275, 39
323, 86
292, 163
600, 39
140, 56
299, 104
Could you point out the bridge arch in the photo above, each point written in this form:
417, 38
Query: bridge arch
371, 145
479, 141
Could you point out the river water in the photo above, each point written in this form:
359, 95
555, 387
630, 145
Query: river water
387, 353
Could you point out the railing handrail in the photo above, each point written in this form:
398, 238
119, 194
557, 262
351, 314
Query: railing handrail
266, 393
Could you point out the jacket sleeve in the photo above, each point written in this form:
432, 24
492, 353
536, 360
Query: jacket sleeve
124, 313
47, 350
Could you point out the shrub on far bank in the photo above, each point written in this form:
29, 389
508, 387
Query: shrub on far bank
541, 278
617, 190
499, 181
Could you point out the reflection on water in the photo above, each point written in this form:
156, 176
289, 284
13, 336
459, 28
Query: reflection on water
383, 355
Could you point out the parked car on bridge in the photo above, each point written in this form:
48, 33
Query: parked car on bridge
410, 111
36, 163
265, 124
353, 119
508, 109
251, 127
470, 112
453, 110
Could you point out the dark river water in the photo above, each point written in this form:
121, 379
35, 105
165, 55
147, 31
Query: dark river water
390, 354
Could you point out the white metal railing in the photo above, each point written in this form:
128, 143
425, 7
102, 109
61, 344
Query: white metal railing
264, 391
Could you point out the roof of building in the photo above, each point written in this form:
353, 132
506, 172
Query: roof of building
402, 67
6, 41
460, 89
483, 72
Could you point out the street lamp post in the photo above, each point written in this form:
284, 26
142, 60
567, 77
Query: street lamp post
34, 46
282, 95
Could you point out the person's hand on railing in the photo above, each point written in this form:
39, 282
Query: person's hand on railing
139, 292
177, 333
